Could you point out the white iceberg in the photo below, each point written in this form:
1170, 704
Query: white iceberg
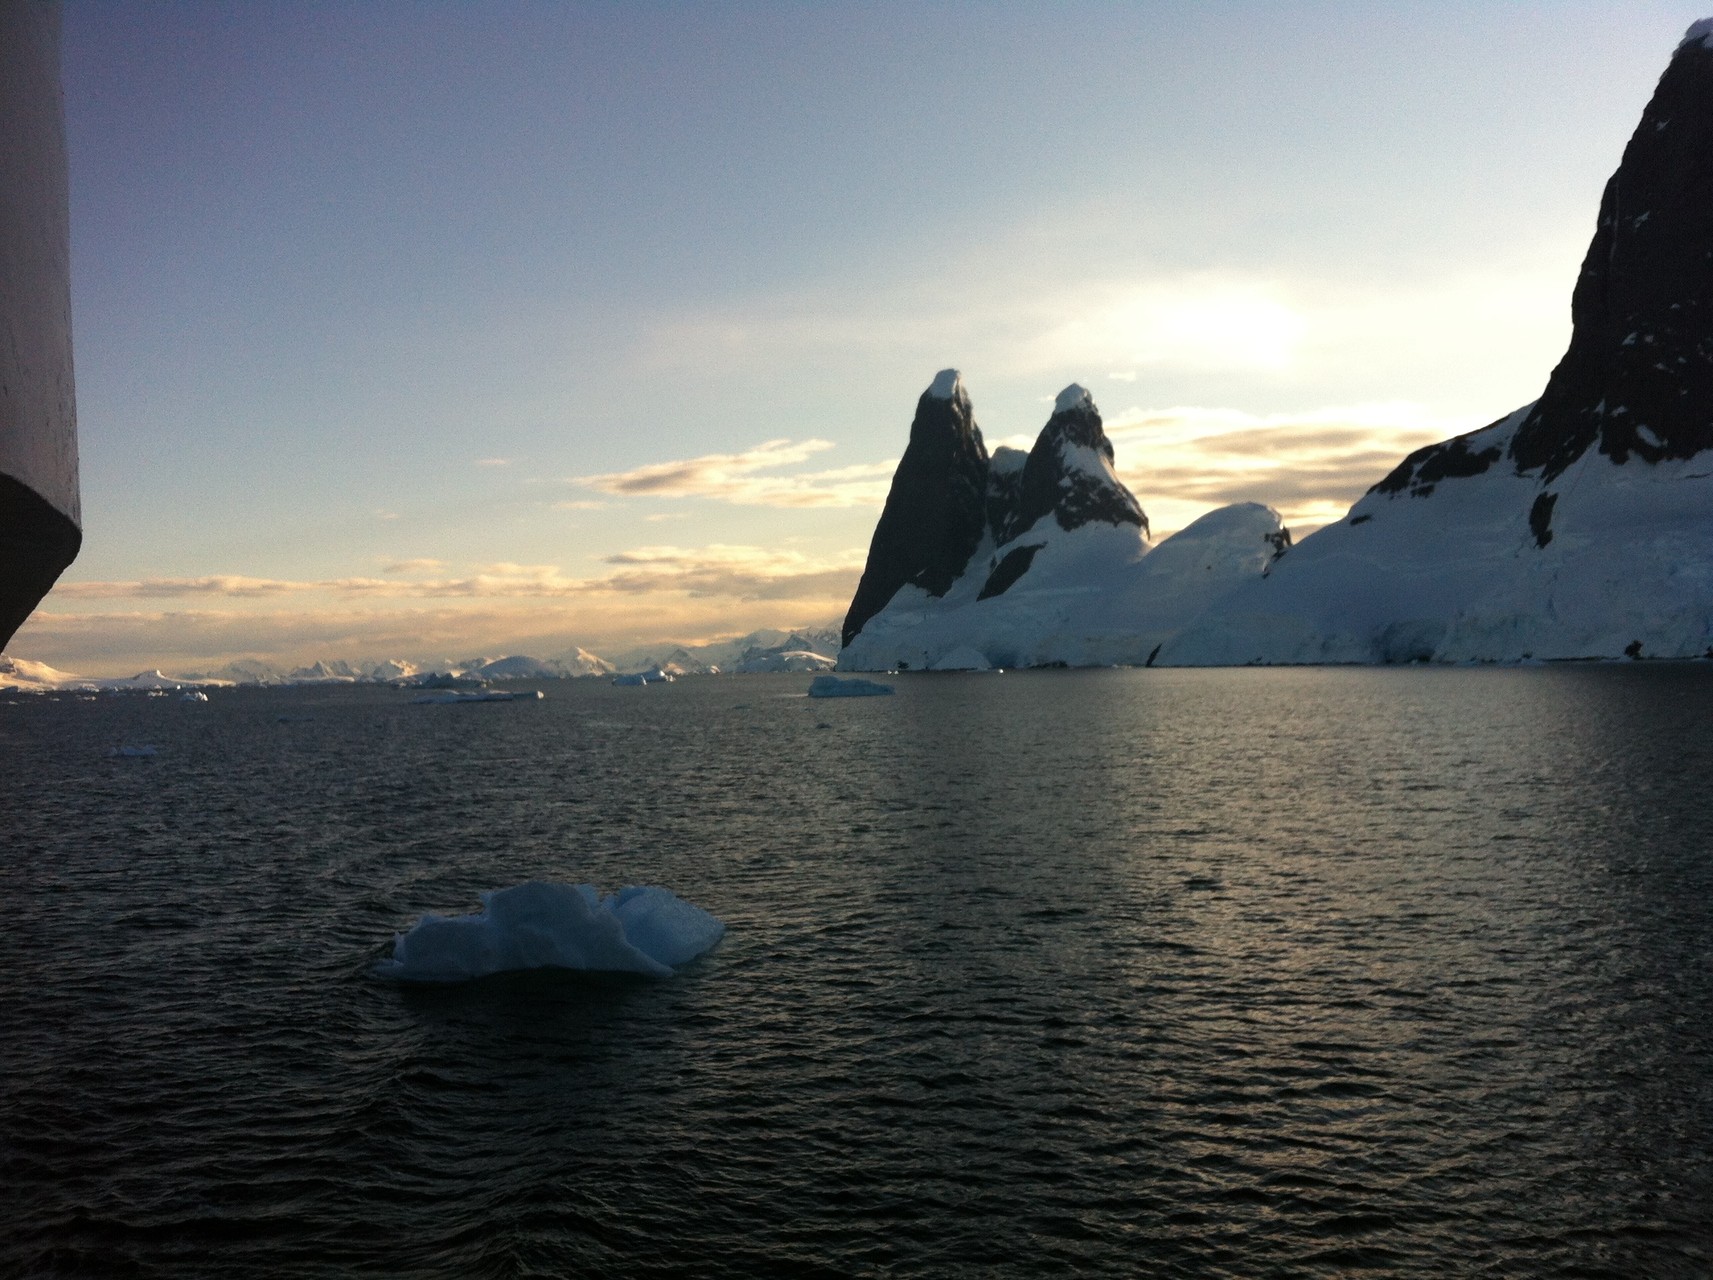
833, 687
540, 925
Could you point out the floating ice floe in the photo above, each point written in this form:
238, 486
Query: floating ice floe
833, 687
437, 696
540, 925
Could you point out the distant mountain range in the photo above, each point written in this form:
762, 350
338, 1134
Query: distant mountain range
760, 651
1580, 526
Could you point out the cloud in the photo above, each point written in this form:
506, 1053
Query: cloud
493, 462
737, 478
1310, 465
637, 596
1192, 323
231, 585
742, 572
1088, 288
421, 565
1202, 322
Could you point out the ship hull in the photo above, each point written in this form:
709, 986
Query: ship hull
40, 511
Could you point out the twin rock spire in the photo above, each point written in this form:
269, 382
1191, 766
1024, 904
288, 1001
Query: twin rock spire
949, 497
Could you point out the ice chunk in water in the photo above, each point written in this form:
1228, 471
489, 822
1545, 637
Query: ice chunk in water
833, 687
538, 925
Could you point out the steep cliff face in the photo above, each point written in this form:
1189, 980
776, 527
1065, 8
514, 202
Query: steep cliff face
1578, 526
1637, 380
39, 511
936, 511
1069, 473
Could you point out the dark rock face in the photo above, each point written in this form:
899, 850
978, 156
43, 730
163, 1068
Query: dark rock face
1004, 489
1426, 467
936, 510
1540, 518
1015, 564
1638, 375
1056, 481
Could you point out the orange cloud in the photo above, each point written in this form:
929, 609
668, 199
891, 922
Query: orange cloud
1311, 465
737, 478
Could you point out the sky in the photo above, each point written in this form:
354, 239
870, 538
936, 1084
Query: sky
428, 330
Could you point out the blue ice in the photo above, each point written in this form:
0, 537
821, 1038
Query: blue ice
833, 687
538, 925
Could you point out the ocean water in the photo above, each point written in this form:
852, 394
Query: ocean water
1401, 972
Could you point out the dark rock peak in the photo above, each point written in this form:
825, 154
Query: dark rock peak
1637, 377
936, 510
1069, 473
1418, 473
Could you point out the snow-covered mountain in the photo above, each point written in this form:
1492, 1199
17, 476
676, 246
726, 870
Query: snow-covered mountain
757, 661
803, 649
938, 509
1580, 525
580, 662
22, 674
1056, 563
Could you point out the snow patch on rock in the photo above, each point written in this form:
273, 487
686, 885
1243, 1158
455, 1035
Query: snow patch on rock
1072, 397
947, 385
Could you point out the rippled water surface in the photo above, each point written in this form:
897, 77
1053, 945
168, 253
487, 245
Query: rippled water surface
1232, 973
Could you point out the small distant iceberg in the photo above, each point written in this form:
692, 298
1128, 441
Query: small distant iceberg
655, 675
441, 696
833, 687
543, 925
193, 695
